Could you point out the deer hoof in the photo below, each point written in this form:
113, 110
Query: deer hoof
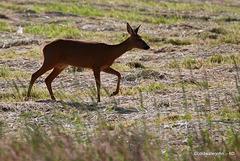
113, 94
53, 98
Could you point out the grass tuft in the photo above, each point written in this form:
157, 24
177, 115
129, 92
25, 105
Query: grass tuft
187, 63
136, 65
219, 31
5, 71
179, 42
4, 26
190, 63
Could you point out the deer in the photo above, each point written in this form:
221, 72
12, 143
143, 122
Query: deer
61, 53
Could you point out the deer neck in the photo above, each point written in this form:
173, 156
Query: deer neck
123, 47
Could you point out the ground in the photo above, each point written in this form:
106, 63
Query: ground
181, 92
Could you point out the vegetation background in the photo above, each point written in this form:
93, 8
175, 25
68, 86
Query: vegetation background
178, 101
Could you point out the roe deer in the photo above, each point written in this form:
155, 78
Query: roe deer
97, 56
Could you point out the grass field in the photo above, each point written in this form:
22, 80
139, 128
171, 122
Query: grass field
180, 100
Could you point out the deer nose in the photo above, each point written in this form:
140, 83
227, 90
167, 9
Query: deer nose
146, 47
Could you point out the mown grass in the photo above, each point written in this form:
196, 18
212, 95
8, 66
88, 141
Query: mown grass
72, 130
116, 141
130, 141
90, 10
18, 92
61, 146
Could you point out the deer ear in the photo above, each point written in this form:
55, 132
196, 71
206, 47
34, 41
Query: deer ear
136, 30
130, 30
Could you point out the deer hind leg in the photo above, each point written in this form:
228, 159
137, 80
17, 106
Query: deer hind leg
56, 71
114, 72
35, 75
98, 81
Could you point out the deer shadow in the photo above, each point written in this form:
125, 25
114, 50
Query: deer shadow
88, 107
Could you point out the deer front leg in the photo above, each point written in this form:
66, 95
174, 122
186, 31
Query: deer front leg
96, 72
114, 72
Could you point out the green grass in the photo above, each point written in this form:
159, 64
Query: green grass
120, 67
69, 30
7, 74
177, 5
4, 26
232, 39
221, 35
136, 16
193, 63
11, 6
13, 54
54, 31
221, 59
89, 10
219, 31
152, 86
5, 71
76, 8
8, 55
18, 93
190, 63
136, 65
187, 63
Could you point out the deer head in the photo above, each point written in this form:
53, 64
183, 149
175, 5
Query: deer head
136, 40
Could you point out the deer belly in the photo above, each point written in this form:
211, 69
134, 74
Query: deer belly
105, 67
80, 62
